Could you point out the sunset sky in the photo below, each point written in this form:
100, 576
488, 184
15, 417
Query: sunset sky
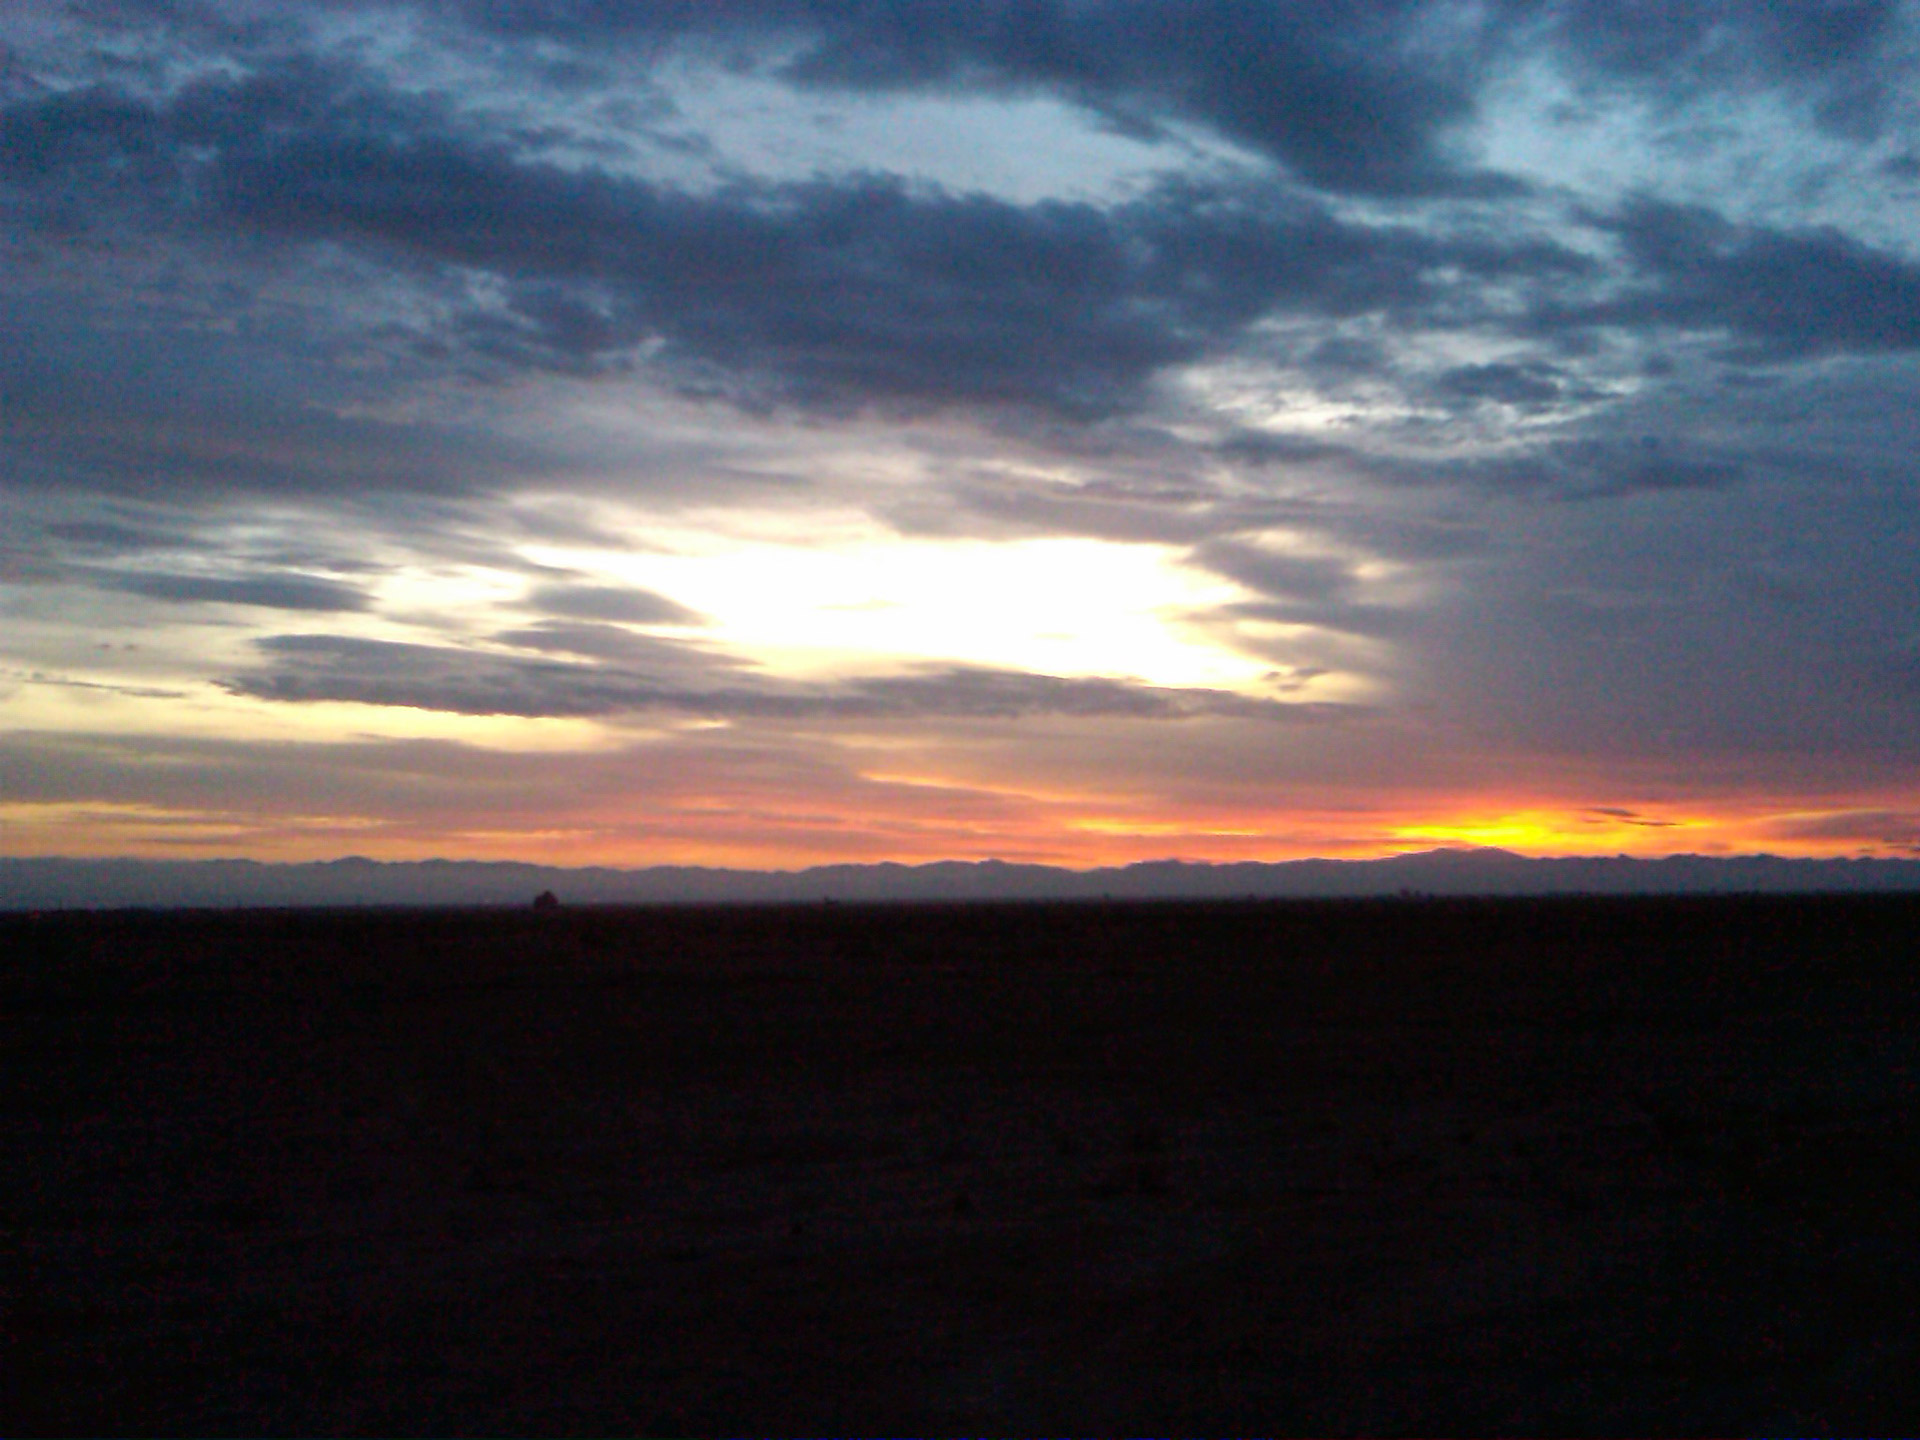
1077, 431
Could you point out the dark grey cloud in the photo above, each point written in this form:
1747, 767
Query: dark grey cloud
1359, 96
1778, 294
862, 289
144, 692
1344, 92
1630, 817
611, 602
379, 672
1581, 469
986, 503
618, 645
1896, 828
1842, 57
435, 677
829, 292
1437, 529
1259, 447
1274, 573
123, 425
978, 693
1320, 591
1526, 387
269, 591
126, 141
111, 537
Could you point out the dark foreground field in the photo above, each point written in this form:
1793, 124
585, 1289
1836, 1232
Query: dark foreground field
1543, 1166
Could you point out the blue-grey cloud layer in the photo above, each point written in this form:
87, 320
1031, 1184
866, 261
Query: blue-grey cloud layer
1640, 460
468, 682
864, 289
1353, 95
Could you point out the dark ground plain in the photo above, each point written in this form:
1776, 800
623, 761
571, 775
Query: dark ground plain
1545, 1166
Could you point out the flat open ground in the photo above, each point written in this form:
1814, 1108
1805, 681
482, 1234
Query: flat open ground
1542, 1166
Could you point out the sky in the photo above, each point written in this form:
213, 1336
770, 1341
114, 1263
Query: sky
1081, 431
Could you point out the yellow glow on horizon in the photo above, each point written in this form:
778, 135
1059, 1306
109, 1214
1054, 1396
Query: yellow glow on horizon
898, 821
1547, 832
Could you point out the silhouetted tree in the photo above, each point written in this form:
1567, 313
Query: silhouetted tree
546, 902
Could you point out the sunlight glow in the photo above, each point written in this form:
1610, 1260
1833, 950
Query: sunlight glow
1054, 606
207, 712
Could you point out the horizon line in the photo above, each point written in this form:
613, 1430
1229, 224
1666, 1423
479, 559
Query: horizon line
1484, 851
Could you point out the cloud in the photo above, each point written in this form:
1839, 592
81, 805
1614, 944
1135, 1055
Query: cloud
1275, 573
832, 292
1781, 294
1353, 96
145, 692
1893, 828
113, 538
273, 592
1262, 447
1167, 513
859, 290
974, 693
1842, 56
1628, 817
126, 421
380, 672
1346, 95
618, 645
432, 677
1578, 469
1299, 589
1526, 387
610, 602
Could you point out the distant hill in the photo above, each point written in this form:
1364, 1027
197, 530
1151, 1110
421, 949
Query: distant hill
40, 884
